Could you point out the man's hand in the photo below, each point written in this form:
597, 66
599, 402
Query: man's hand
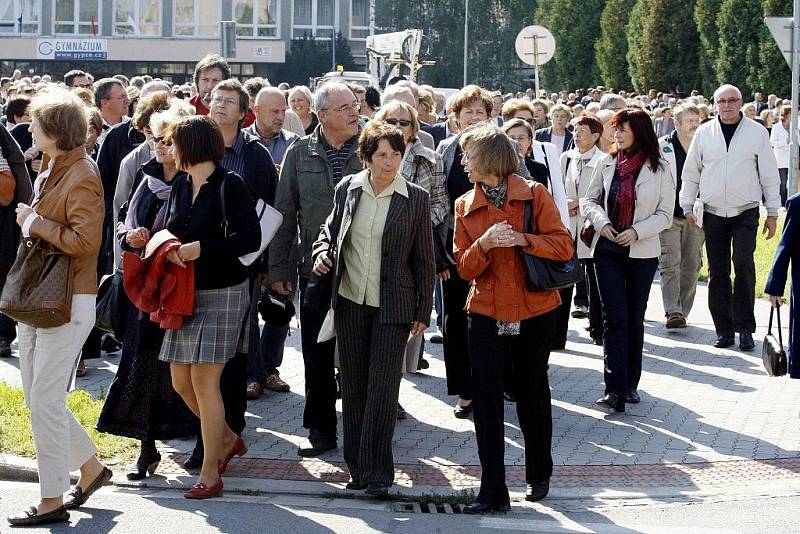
322, 265
282, 288
770, 226
418, 327
444, 276
691, 219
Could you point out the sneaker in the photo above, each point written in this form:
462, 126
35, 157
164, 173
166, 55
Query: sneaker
675, 320
580, 312
5, 349
275, 383
254, 390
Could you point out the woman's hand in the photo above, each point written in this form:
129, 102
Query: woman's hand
322, 265
627, 237
497, 235
776, 301
36, 165
418, 327
609, 233
23, 210
172, 256
444, 276
138, 238
189, 251
574, 207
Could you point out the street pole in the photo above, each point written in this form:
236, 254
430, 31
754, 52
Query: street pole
466, 38
536, 63
794, 156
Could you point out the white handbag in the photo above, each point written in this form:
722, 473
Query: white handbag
269, 220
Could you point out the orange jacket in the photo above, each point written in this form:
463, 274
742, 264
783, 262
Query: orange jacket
498, 276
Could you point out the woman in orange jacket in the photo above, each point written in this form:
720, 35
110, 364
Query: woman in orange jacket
504, 319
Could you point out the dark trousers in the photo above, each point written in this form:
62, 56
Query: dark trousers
272, 341
731, 306
454, 334
595, 306
320, 409
233, 388
8, 328
624, 285
529, 353
371, 356
784, 176
582, 289
562, 319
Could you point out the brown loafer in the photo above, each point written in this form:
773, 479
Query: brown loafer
78, 497
254, 390
275, 383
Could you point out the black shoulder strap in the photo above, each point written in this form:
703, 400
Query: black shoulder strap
222, 204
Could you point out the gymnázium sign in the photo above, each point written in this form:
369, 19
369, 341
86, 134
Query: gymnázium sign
72, 49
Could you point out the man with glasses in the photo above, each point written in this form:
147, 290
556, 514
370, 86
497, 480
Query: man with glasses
208, 72
731, 166
311, 169
77, 78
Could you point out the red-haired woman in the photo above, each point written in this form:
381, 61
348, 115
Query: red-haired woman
630, 201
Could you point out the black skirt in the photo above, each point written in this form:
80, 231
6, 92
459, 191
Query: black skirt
141, 402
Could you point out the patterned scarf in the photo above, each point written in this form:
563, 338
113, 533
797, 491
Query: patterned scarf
628, 167
496, 195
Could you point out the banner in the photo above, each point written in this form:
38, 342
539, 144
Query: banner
72, 49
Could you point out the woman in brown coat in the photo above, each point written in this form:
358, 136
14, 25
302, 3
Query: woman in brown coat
504, 319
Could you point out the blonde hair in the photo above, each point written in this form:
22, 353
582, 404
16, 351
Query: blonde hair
469, 94
161, 119
490, 150
396, 106
514, 105
63, 117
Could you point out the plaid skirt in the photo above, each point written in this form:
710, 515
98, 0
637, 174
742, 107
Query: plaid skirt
217, 330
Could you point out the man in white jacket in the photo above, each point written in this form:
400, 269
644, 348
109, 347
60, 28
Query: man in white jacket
731, 165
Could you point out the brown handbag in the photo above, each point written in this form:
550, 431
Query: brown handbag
8, 186
38, 288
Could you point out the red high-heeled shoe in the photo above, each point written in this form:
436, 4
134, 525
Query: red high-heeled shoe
201, 491
238, 449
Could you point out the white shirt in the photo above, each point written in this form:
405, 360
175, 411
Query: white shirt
779, 139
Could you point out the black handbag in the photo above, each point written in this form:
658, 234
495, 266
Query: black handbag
772, 353
319, 290
111, 306
542, 274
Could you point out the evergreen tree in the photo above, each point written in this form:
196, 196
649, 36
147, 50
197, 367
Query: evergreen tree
739, 27
774, 75
634, 31
705, 17
612, 46
667, 51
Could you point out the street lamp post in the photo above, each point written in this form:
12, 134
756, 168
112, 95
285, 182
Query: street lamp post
466, 38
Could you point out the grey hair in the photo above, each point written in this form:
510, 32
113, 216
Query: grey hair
727, 87
324, 92
393, 94
154, 87
609, 99
305, 91
684, 108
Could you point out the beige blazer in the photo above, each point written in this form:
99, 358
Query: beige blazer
70, 215
655, 202
575, 191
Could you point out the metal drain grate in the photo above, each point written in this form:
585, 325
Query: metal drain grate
426, 508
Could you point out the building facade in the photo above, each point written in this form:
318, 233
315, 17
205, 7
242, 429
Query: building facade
165, 38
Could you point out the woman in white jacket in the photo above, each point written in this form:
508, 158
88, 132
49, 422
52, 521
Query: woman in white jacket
779, 139
630, 200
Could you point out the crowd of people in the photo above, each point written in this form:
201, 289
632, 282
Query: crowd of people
393, 205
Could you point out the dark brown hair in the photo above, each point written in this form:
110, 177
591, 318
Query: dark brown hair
196, 139
593, 123
469, 94
17, 107
644, 136
211, 61
235, 86
371, 136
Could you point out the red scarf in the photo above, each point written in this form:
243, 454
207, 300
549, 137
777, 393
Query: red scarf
628, 167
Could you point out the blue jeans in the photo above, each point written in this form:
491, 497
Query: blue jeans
272, 340
624, 285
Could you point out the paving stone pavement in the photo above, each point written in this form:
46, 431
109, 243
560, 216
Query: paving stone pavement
699, 404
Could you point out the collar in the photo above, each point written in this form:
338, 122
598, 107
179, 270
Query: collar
723, 125
67, 159
362, 180
418, 149
197, 102
238, 145
518, 189
345, 146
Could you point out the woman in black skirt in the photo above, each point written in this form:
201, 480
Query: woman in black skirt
141, 402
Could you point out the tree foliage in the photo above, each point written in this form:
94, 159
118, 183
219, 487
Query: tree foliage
634, 31
308, 57
612, 46
774, 75
737, 61
705, 18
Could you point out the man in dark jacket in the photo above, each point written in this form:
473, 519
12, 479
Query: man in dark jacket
249, 158
9, 230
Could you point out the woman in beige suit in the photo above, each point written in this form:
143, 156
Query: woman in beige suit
577, 166
67, 212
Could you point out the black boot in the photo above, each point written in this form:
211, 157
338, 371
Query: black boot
147, 462
195, 461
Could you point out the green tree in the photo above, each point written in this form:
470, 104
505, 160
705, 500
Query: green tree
774, 75
575, 24
612, 46
634, 31
705, 17
308, 57
739, 26
667, 47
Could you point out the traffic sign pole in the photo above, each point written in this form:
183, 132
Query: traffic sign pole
794, 156
535, 46
536, 63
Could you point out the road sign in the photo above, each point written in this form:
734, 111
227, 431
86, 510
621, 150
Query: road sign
535, 45
781, 30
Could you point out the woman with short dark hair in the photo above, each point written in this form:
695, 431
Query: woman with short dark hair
630, 200
213, 241
506, 321
378, 242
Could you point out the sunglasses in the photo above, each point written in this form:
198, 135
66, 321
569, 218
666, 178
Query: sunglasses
157, 140
405, 123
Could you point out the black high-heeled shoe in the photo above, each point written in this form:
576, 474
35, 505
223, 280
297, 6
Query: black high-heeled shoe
146, 464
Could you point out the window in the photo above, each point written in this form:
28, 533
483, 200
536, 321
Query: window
137, 17
256, 18
196, 18
315, 17
359, 19
76, 17
12, 10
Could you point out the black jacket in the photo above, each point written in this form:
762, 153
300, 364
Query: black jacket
259, 171
545, 135
120, 141
438, 131
9, 229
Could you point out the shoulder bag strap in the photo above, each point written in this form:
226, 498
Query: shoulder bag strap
780, 330
222, 204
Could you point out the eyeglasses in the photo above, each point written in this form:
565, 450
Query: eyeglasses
157, 140
405, 123
355, 106
225, 102
726, 101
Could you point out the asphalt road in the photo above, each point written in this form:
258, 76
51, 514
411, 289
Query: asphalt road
136, 511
